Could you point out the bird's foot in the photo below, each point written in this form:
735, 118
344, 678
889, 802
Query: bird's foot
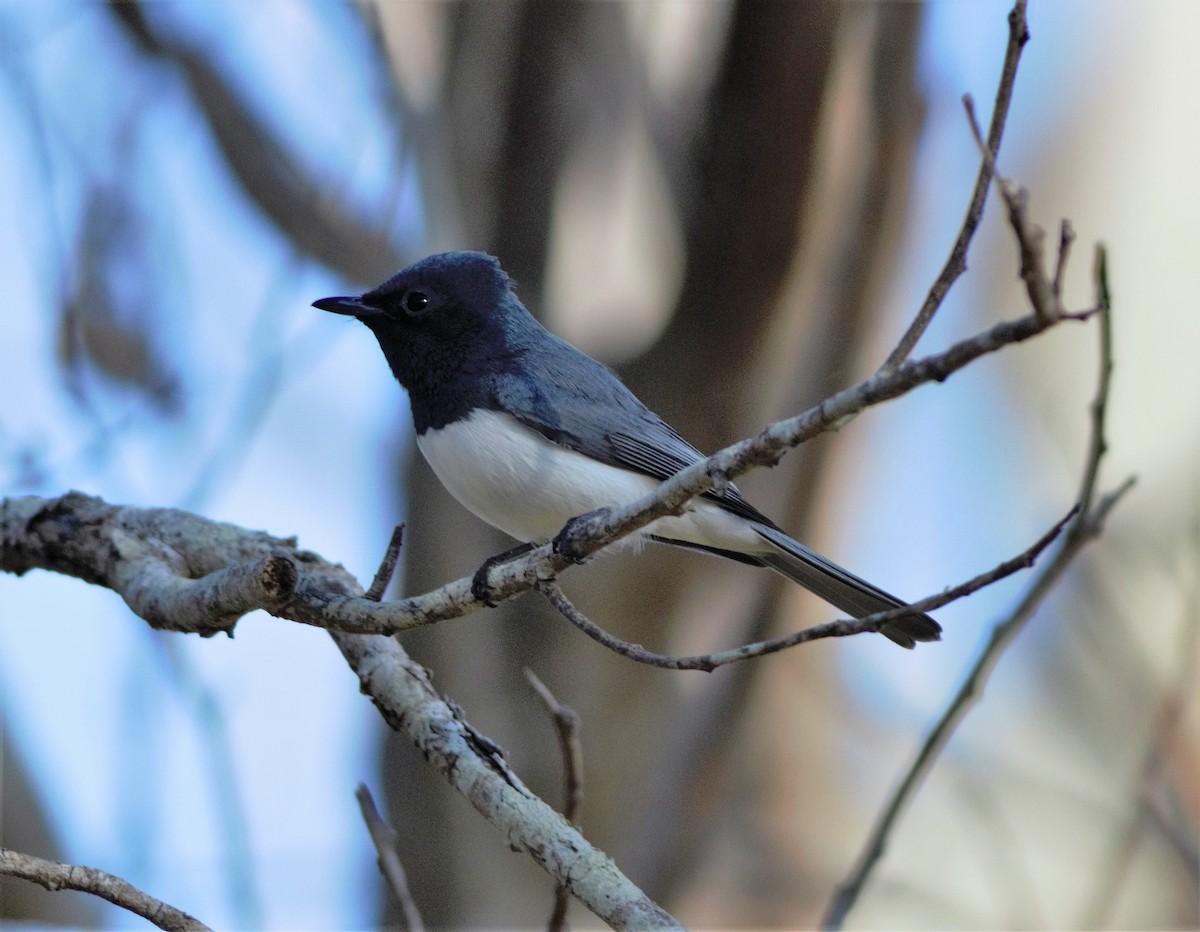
568, 541
481, 588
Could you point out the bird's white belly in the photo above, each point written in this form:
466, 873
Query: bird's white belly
518, 481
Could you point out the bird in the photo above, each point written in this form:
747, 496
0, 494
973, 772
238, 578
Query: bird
528, 432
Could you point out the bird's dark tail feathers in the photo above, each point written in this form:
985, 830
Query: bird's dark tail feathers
842, 588
835, 585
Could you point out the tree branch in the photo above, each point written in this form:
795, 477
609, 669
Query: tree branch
54, 875
384, 837
838, 628
107, 545
475, 766
566, 724
956, 263
1086, 526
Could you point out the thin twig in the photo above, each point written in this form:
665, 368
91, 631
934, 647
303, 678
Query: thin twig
566, 724
1098, 444
841, 628
387, 567
956, 263
1066, 237
1085, 527
1031, 239
54, 875
385, 840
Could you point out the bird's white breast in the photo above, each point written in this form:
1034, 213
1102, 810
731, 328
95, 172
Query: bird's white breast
529, 487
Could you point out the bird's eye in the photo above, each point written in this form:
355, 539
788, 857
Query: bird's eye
414, 302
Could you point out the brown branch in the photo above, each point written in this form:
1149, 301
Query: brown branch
384, 838
1031, 239
566, 724
1066, 237
54, 875
956, 263
1087, 525
840, 628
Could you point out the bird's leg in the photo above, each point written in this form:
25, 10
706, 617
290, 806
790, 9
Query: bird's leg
480, 587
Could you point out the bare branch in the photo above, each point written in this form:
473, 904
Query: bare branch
384, 838
1031, 239
54, 875
840, 628
387, 568
86, 537
475, 766
956, 263
1085, 527
566, 723
1066, 237
1098, 444
182, 571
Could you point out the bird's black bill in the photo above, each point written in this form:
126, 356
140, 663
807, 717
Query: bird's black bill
354, 307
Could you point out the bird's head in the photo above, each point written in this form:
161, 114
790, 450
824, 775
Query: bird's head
436, 315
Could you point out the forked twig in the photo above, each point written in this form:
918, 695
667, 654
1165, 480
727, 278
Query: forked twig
1086, 526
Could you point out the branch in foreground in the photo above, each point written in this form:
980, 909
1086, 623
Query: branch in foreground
1086, 527
183, 572
475, 766
54, 875
841, 628
86, 537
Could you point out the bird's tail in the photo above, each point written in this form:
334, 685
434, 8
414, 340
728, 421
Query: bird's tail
841, 587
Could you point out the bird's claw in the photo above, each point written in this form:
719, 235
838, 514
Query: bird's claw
567, 542
481, 587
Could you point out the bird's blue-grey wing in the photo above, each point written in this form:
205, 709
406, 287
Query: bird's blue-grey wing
579, 404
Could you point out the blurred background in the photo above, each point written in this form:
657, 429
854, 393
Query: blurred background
737, 205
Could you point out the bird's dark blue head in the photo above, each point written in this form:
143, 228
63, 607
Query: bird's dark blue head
446, 325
